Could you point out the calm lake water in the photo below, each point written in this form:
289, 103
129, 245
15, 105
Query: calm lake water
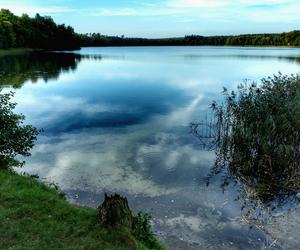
117, 120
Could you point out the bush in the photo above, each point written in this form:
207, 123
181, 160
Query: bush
15, 138
258, 136
143, 232
114, 213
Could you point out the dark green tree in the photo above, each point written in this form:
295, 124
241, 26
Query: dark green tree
7, 34
16, 139
38, 32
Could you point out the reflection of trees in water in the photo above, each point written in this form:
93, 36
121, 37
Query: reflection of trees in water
291, 59
15, 70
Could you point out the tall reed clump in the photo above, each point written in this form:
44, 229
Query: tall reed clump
258, 136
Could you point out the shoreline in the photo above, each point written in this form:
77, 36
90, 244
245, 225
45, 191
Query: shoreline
213, 46
35, 215
17, 51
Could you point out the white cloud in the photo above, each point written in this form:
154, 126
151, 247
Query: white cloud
181, 11
170, 7
287, 13
192, 11
196, 3
117, 12
32, 10
253, 2
148, 11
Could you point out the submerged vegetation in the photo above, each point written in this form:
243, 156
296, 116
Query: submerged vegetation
258, 136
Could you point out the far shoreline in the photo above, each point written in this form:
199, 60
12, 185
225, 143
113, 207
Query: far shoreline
212, 46
19, 51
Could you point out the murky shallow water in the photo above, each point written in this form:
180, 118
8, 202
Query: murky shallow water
117, 120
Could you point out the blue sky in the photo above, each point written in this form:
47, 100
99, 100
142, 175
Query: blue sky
166, 18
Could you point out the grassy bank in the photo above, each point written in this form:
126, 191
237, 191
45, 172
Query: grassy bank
8, 52
34, 216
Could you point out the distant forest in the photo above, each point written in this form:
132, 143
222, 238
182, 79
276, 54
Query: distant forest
43, 33
284, 39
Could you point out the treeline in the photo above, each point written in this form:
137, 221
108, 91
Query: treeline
43, 33
96, 39
38, 32
284, 39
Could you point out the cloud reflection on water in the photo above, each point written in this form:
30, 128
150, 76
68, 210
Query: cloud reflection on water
134, 159
120, 124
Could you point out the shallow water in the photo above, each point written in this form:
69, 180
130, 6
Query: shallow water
117, 120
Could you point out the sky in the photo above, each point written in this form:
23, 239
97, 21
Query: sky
166, 18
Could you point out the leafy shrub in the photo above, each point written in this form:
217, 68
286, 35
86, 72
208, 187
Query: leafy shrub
142, 230
258, 135
15, 138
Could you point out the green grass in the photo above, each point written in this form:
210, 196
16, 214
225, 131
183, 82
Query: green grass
8, 52
35, 216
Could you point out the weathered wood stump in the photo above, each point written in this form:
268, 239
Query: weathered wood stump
114, 211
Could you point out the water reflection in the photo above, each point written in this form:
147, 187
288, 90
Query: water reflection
16, 70
121, 124
254, 57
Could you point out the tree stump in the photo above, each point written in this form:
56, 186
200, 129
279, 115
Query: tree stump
114, 211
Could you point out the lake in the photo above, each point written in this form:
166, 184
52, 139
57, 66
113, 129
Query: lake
118, 120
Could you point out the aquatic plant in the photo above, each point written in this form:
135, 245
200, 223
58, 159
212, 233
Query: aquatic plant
257, 136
